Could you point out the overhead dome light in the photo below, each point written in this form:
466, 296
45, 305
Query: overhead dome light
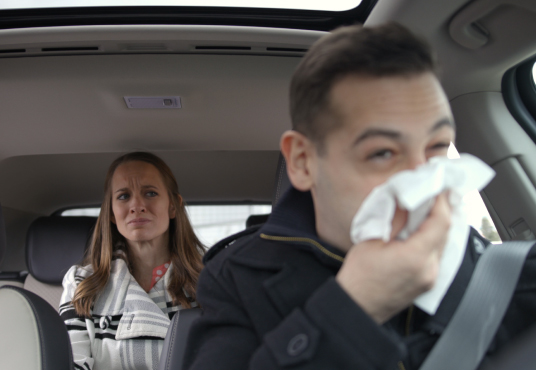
153, 102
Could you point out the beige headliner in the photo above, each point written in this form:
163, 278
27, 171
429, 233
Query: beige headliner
63, 118
468, 70
54, 105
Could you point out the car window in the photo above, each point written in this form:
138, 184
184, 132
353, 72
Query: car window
477, 213
337, 5
210, 222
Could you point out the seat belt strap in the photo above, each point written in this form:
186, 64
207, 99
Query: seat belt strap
467, 337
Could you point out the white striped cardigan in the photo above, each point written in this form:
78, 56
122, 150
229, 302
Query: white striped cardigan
127, 325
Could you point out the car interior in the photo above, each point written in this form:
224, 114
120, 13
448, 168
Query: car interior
206, 89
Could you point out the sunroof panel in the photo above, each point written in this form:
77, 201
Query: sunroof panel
333, 5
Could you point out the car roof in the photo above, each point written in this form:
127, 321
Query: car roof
66, 117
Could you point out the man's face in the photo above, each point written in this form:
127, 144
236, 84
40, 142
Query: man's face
389, 125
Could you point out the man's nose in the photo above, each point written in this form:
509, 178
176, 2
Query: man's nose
415, 160
137, 204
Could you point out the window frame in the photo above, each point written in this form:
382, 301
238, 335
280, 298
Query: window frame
519, 93
172, 15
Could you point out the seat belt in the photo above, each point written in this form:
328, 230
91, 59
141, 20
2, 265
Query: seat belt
469, 333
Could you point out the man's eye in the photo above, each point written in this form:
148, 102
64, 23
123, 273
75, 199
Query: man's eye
440, 146
381, 154
123, 197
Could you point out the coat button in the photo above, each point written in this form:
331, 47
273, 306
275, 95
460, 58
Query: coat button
104, 322
297, 345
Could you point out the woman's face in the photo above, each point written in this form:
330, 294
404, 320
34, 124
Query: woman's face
140, 202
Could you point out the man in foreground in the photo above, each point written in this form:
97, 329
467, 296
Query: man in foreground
365, 104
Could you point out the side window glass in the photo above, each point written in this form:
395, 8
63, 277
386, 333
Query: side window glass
213, 223
477, 213
210, 222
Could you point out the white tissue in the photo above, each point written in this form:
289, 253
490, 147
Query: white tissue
415, 191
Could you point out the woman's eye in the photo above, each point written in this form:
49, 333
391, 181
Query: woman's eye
381, 154
123, 197
151, 194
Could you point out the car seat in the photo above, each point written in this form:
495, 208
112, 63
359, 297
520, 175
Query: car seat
53, 245
282, 183
14, 278
176, 339
33, 337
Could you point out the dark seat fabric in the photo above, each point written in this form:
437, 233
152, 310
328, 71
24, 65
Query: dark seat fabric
3, 243
282, 182
54, 244
15, 278
519, 355
256, 220
33, 335
176, 339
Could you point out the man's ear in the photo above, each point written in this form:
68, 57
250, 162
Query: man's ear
298, 151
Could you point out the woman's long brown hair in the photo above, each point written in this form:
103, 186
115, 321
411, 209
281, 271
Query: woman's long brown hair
184, 246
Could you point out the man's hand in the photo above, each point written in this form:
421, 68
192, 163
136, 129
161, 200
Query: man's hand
384, 278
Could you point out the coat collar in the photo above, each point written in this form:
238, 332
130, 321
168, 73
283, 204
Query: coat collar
140, 315
293, 221
294, 217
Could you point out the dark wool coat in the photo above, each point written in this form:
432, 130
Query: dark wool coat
270, 301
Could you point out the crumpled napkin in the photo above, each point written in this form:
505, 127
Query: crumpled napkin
415, 191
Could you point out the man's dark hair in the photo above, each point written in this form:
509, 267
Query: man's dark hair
384, 51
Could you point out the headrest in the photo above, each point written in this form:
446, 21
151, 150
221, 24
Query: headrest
256, 220
3, 243
54, 244
282, 182
29, 325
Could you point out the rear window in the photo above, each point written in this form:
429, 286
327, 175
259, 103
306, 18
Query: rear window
210, 222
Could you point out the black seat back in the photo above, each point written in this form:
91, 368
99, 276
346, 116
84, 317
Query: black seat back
3, 243
54, 244
518, 355
176, 339
15, 278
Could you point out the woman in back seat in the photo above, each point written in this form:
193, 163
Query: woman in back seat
142, 267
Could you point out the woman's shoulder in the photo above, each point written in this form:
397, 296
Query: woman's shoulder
76, 274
